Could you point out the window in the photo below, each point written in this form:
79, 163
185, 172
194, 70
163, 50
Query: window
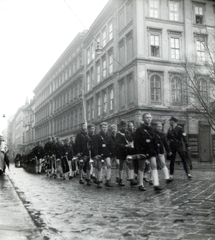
88, 81
98, 72
129, 46
122, 53
176, 87
105, 102
110, 61
155, 46
128, 12
203, 88
88, 55
122, 95
154, 8
92, 109
104, 67
130, 90
175, 48
91, 77
92, 52
121, 19
98, 106
104, 37
198, 14
200, 48
174, 11
110, 31
155, 83
111, 99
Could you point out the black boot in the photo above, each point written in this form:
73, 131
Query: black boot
142, 188
133, 182
120, 183
108, 184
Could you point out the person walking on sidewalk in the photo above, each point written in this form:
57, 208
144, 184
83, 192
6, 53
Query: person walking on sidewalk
146, 143
176, 138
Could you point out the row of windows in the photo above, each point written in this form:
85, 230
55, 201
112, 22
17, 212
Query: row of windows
105, 36
175, 12
178, 93
175, 44
104, 68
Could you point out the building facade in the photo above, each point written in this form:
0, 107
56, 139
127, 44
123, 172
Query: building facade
143, 44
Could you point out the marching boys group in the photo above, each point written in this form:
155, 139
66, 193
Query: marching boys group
91, 155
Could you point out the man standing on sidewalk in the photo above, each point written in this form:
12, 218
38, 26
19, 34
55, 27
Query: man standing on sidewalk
176, 137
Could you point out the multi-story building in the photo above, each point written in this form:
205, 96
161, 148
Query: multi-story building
29, 125
58, 96
142, 45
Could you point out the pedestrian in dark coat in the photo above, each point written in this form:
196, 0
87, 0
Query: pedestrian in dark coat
124, 142
82, 144
103, 149
162, 146
146, 143
176, 138
39, 154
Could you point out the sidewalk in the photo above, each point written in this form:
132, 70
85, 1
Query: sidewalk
15, 222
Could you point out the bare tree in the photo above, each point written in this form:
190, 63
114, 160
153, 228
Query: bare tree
197, 68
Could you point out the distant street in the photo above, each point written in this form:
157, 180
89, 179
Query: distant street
66, 210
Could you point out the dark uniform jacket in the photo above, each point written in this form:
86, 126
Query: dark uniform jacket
162, 142
122, 139
145, 141
82, 143
92, 152
114, 151
38, 152
59, 149
177, 137
68, 151
102, 145
49, 149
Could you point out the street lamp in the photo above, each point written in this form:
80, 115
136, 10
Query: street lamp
98, 48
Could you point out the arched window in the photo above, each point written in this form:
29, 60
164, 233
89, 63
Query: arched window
155, 83
176, 87
203, 88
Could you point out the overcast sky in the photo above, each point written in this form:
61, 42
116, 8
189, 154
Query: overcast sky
33, 34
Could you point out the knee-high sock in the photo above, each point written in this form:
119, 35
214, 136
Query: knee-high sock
155, 177
99, 174
166, 172
108, 173
131, 173
140, 178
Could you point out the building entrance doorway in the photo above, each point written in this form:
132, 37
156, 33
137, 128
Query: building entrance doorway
205, 153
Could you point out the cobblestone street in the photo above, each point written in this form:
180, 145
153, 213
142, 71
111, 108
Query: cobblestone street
64, 209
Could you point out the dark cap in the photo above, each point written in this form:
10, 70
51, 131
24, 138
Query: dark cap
123, 123
173, 119
103, 124
90, 125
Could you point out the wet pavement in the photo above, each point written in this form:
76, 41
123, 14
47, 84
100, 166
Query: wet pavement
15, 222
66, 210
